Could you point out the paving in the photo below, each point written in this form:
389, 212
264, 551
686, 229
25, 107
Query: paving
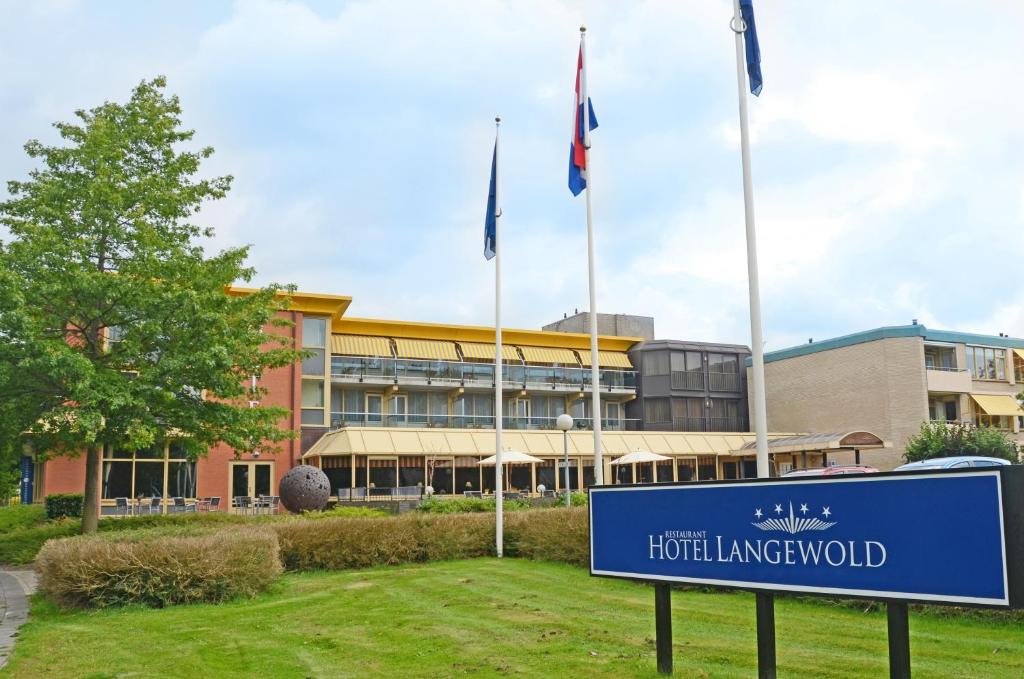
15, 587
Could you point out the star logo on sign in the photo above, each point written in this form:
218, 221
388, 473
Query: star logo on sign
778, 509
826, 513
758, 514
803, 508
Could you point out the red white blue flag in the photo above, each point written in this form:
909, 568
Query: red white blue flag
578, 145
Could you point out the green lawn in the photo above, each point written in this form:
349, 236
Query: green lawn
489, 618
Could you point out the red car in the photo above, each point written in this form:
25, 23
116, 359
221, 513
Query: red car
833, 470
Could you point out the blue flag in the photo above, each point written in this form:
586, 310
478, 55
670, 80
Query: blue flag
491, 222
753, 48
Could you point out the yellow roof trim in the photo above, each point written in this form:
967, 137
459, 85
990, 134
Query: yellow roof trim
549, 355
607, 359
998, 404
1020, 353
483, 351
307, 302
361, 345
426, 349
480, 334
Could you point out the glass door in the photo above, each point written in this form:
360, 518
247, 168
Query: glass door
373, 408
398, 410
251, 479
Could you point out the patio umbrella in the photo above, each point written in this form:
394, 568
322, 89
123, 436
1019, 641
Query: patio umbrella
508, 457
640, 456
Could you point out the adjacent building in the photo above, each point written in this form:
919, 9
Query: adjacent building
890, 380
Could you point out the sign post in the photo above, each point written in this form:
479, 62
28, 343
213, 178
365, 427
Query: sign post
951, 537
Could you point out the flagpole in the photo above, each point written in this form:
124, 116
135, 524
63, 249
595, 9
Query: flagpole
756, 337
595, 373
499, 519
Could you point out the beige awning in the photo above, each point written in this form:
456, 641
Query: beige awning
432, 350
485, 352
549, 355
1020, 353
998, 404
360, 345
803, 443
607, 359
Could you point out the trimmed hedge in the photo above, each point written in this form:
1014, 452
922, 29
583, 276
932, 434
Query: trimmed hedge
64, 505
468, 505
550, 535
98, 571
17, 517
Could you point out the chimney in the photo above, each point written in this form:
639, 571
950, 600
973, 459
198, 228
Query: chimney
810, 340
913, 322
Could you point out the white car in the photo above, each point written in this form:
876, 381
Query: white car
958, 462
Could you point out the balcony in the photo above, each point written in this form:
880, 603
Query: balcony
948, 380
691, 380
354, 419
361, 370
723, 381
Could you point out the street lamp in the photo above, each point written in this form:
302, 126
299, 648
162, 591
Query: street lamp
564, 422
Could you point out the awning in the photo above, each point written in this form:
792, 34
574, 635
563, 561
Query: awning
994, 404
607, 359
360, 345
549, 355
485, 352
803, 443
1020, 353
429, 349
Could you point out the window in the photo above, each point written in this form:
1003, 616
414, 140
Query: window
986, 363
1018, 368
312, 402
723, 363
943, 408
474, 410
656, 410
656, 363
995, 421
158, 471
314, 339
939, 358
688, 414
687, 361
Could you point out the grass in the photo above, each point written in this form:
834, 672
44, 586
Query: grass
24, 529
484, 618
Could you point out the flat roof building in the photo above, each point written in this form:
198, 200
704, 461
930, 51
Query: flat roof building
890, 380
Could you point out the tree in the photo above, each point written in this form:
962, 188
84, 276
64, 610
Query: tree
947, 439
115, 326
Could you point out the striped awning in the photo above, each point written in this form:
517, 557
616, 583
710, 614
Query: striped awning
360, 345
998, 404
432, 350
549, 355
485, 352
607, 359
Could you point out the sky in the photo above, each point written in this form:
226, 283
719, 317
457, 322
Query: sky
886, 151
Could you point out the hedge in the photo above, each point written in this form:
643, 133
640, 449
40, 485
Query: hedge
156, 570
64, 505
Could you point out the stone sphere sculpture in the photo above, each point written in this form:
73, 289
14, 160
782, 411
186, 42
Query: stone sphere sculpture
305, 488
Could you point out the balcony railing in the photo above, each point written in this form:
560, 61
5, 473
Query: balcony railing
945, 368
701, 424
723, 381
355, 419
692, 380
399, 370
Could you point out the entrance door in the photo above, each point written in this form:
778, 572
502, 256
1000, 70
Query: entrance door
251, 479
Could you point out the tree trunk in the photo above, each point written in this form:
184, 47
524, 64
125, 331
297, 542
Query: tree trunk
91, 507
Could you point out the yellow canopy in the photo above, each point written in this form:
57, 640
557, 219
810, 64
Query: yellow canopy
1020, 353
485, 352
429, 349
998, 404
360, 345
549, 355
607, 359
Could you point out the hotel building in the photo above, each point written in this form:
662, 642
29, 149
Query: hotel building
890, 380
387, 408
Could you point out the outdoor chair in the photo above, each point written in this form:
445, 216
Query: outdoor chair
214, 505
272, 504
472, 493
242, 504
149, 505
181, 506
121, 506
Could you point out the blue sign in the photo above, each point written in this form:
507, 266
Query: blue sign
926, 537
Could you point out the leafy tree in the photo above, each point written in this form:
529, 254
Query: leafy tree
947, 439
115, 328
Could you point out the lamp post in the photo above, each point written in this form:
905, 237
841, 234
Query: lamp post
564, 422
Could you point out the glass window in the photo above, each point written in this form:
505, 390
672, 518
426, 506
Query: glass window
314, 333
678, 362
723, 363
313, 364
657, 410
694, 362
312, 394
970, 362
117, 480
181, 479
656, 363
1000, 364
149, 479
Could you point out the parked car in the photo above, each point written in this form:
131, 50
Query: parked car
832, 470
957, 462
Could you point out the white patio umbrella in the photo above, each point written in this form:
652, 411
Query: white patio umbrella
508, 457
641, 456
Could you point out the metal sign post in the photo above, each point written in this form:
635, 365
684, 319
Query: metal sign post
884, 537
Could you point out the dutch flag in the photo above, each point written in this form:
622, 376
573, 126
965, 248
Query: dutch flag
580, 136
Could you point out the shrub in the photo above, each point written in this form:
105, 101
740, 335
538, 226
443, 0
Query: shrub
947, 439
105, 570
64, 505
468, 505
361, 542
21, 545
20, 516
351, 512
550, 535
